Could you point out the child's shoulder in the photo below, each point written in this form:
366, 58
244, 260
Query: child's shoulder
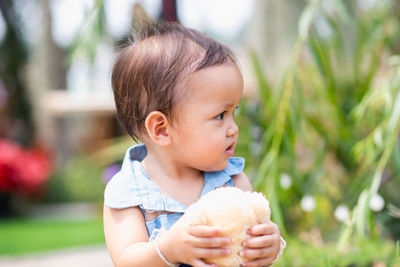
121, 192
123, 189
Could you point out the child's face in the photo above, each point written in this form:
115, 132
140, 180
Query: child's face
205, 134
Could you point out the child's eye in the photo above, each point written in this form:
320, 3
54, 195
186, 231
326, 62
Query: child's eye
220, 116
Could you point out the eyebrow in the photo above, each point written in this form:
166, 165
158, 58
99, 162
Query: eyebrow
229, 105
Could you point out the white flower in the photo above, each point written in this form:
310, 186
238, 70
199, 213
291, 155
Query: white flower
255, 148
308, 203
376, 203
378, 138
285, 181
256, 132
342, 213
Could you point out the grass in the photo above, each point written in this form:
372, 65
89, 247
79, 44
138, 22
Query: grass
361, 254
367, 253
18, 236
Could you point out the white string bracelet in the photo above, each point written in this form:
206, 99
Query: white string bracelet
281, 248
154, 238
170, 264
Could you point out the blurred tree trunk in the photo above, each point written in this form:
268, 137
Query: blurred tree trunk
55, 65
46, 71
16, 121
169, 10
48, 56
273, 30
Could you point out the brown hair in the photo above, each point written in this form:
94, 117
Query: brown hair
146, 73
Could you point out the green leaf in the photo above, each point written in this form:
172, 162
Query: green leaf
342, 11
362, 212
263, 84
306, 19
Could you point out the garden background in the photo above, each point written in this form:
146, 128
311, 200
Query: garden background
319, 121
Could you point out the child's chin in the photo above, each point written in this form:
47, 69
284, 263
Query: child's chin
216, 168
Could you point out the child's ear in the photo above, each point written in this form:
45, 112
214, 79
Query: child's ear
158, 128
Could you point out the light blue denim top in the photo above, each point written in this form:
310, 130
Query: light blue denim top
132, 187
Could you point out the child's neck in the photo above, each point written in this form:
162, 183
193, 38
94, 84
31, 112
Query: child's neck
163, 164
174, 179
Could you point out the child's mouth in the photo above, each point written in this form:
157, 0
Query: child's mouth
230, 150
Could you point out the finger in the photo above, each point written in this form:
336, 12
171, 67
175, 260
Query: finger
211, 242
200, 263
257, 253
204, 230
259, 262
260, 241
264, 229
211, 252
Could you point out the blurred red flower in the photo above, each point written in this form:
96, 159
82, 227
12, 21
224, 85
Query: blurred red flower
22, 171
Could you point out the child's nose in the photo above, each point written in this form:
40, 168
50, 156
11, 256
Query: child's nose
232, 130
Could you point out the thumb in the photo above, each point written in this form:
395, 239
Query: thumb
201, 263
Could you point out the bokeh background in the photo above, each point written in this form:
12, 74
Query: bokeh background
319, 121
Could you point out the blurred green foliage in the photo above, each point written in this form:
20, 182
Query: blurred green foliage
79, 180
92, 32
371, 253
330, 123
16, 121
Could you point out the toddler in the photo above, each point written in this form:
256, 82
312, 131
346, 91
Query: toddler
176, 90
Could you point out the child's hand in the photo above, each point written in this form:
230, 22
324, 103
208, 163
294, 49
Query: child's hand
190, 244
262, 247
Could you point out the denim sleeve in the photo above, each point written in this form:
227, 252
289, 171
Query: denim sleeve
121, 192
